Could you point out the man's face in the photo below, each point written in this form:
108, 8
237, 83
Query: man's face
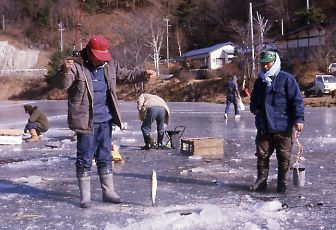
93, 59
267, 66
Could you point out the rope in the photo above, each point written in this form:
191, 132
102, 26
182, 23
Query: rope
300, 150
298, 155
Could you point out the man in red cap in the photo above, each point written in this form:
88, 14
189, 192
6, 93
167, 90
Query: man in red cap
90, 80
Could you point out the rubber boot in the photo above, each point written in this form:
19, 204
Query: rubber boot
159, 141
84, 182
261, 183
147, 140
283, 167
34, 136
106, 181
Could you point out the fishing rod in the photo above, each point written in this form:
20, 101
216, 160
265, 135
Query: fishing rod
75, 52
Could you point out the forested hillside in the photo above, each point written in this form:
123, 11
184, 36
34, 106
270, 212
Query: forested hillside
134, 27
129, 23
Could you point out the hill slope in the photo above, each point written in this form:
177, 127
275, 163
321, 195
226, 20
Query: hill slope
210, 90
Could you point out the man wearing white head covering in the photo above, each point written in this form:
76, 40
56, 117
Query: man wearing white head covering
277, 104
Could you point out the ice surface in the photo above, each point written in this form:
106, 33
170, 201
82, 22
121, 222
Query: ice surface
38, 184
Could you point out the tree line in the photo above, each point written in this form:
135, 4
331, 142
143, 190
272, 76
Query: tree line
138, 28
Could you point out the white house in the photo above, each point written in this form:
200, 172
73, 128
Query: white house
211, 57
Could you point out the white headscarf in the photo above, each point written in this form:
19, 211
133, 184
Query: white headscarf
234, 78
273, 71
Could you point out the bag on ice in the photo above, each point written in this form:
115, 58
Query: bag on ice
241, 106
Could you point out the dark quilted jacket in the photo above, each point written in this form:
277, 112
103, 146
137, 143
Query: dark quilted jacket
280, 105
80, 92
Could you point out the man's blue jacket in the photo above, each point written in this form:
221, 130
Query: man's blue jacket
279, 106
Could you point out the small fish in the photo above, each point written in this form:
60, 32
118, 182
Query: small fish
153, 187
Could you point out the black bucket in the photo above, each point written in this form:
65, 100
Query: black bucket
175, 136
175, 139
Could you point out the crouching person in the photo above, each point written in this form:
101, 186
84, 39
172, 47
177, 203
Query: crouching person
152, 108
37, 122
90, 80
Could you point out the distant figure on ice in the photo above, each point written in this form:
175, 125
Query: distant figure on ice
232, 96
37, 122
277, 104
152, 108
90, 80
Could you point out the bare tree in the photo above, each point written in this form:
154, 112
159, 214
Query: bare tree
280, 10
240, 30
326, 54
155, 38
133, 45
262, 28
178, 41
241, 35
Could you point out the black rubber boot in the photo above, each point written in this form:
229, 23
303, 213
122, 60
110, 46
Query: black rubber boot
106, 181
159, 141
283, 167
84, 182
147, 140
261, 183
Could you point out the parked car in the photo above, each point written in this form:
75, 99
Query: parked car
324, 84
332, 68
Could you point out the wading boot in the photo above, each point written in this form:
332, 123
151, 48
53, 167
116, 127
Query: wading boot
84, 182
147, 140
159, 141
106, 181
261, 183
283, 167
34, 136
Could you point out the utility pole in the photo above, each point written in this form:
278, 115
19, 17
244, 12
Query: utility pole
61, 29
167, 32
307, 5
252, 42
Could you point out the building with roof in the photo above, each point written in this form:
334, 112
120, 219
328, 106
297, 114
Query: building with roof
306, 40
210, 57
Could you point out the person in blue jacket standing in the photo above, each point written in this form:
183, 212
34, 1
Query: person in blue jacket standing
277, 104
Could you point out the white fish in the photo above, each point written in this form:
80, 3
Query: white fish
153, 187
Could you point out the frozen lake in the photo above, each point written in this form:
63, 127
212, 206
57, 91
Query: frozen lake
38, 186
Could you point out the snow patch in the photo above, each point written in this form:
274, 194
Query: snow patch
29, 180
249, 215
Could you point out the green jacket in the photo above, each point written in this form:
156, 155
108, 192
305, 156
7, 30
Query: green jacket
80, 91
39, 118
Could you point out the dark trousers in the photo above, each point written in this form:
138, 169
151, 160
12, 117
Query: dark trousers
34, 125
266, 143
97, 145
155, 113
231, 99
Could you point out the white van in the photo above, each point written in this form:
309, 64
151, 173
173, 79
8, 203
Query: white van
332, 68
324, 84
